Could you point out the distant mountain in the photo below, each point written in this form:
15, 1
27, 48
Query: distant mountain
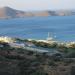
7, 12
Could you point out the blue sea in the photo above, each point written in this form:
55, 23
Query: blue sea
61, 28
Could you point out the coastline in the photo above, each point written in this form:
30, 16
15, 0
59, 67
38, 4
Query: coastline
18, 60
52, 41
33, 41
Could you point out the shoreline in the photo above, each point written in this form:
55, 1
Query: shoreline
13, 39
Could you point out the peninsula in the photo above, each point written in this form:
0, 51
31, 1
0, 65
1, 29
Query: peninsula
7, 12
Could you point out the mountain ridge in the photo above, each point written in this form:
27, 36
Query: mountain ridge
8, 12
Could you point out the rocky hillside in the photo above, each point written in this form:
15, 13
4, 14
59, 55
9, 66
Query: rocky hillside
7, 12
19, 61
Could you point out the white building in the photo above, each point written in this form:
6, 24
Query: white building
69, 44
6, 39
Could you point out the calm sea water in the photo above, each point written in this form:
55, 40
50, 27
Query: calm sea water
61, 28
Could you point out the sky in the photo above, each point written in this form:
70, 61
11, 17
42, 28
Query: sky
30, 5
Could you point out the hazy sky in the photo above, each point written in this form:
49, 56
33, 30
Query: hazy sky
39, 4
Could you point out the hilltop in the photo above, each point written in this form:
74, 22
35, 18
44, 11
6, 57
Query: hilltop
7, 12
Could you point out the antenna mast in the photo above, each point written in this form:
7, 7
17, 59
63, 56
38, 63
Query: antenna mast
49, 38
48, 35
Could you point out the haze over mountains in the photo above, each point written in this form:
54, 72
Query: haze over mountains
7, 12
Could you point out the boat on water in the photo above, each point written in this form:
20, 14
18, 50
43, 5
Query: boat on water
49, 39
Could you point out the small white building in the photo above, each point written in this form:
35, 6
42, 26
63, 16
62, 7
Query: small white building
6, 39
69, 44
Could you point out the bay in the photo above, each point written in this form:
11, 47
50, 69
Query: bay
62, 28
